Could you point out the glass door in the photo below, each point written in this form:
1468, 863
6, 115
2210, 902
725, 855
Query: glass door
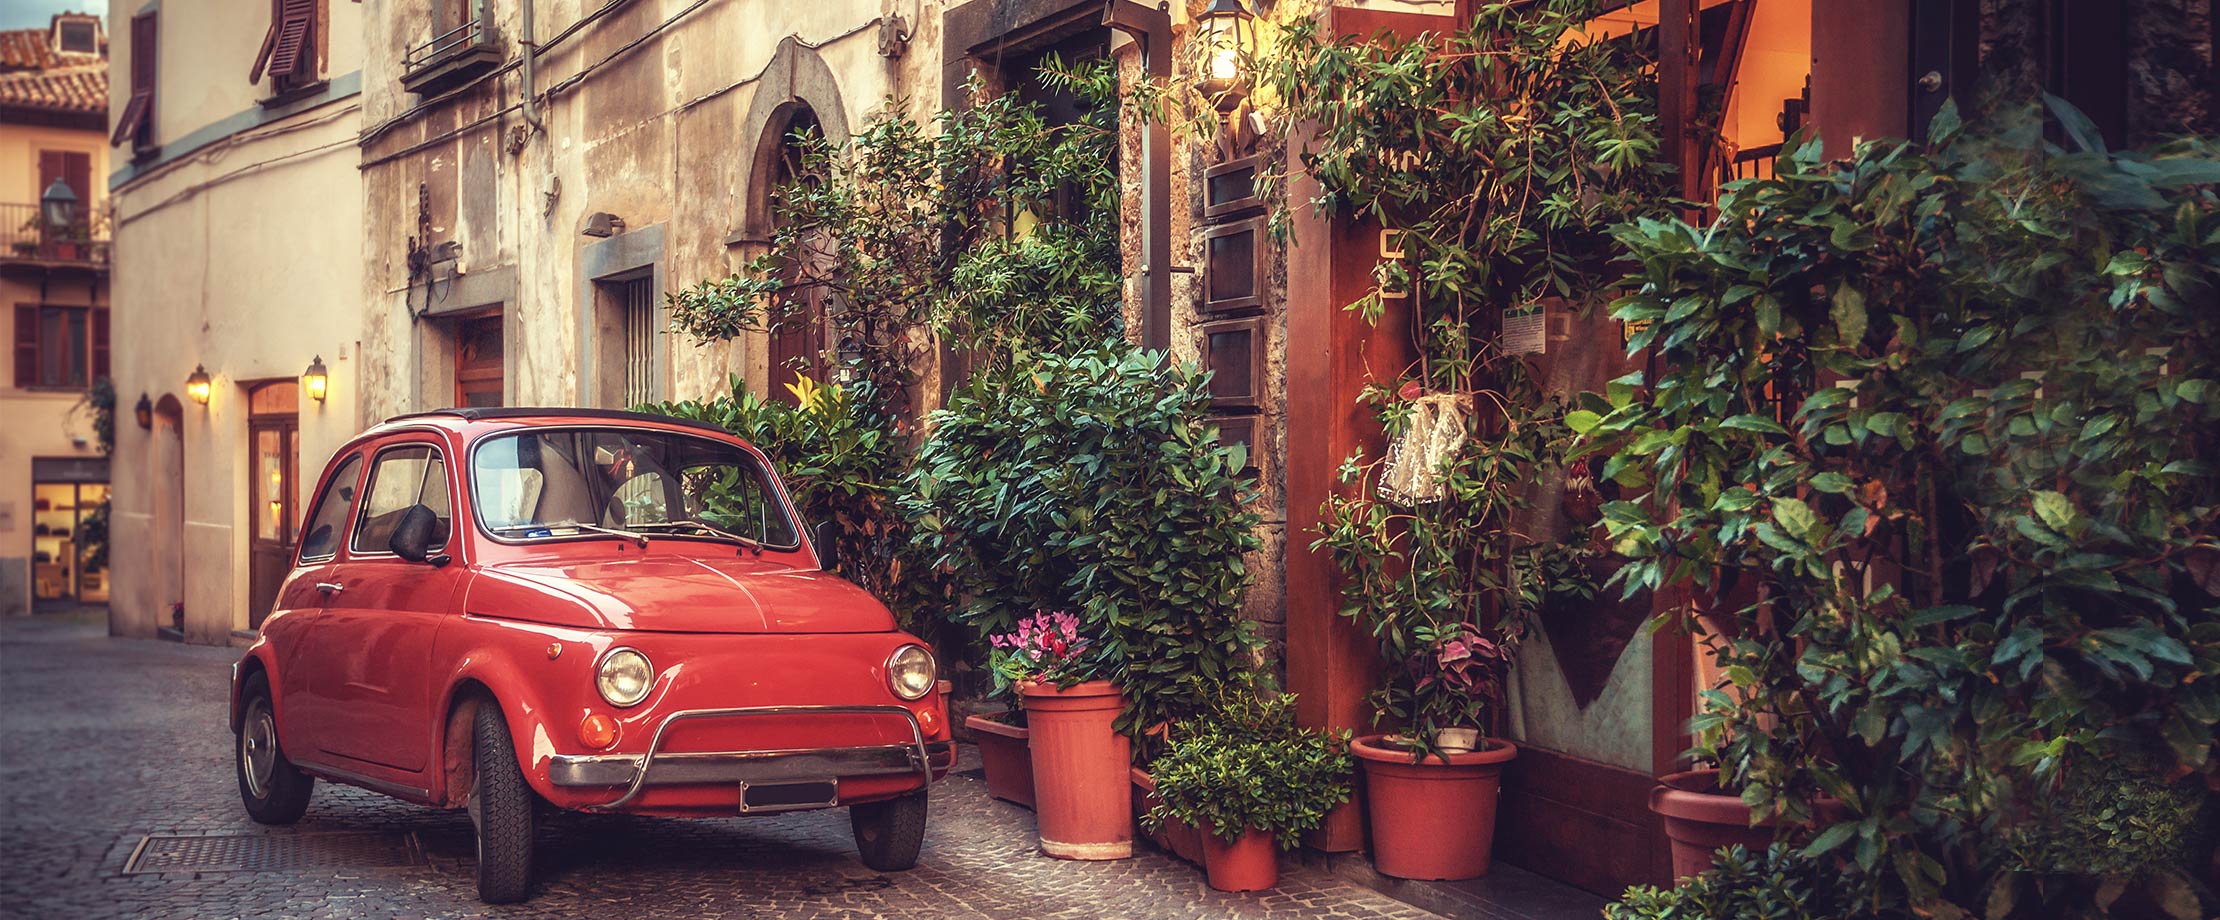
273, 436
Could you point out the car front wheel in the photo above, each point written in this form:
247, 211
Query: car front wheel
502, 808
274, 791
889, 833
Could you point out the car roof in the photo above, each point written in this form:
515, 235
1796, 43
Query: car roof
526, 414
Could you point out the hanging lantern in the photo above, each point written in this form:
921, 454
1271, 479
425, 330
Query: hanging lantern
197, 385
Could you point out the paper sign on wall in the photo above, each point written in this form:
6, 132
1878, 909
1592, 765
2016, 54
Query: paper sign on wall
1524, 331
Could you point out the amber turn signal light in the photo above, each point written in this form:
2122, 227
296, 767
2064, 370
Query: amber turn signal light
929, 722
597, 731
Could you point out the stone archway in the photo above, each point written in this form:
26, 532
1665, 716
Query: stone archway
797, 79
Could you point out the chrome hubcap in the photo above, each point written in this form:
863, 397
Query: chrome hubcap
258, 749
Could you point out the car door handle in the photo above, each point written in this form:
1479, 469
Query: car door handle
330, 587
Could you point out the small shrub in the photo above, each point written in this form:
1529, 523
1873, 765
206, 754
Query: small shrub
1776, 884
1248, 766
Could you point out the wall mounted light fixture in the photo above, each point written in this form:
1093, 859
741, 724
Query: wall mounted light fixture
60, 205
1228, 32
143, 413
316, 380
197, 384
603, 224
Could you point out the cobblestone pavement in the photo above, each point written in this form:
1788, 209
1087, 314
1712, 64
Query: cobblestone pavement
109, 740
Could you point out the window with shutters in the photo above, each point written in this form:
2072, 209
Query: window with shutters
289, 49
137, 122
60, 347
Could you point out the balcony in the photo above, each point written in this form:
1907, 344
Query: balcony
29, 239
454, 57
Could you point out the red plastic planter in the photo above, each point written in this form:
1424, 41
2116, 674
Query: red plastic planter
1432, 820
1250, 863
1082, 789
1700, 819
1006, 757
1176, 837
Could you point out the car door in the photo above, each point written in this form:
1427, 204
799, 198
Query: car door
373, 646
300, 602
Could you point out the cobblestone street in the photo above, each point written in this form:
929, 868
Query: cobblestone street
112, 740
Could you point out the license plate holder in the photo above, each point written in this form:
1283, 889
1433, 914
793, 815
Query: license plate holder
788, 795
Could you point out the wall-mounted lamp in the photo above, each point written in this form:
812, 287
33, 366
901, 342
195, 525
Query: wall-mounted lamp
197, 385
316, 380
59, 205
1228, 32
143, 412
603, 223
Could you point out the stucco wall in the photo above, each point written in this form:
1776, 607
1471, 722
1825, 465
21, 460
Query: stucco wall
241, 256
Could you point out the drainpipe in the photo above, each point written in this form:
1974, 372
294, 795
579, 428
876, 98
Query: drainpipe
1152, 28
531, 106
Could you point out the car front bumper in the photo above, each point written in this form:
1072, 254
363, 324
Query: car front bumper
637, 772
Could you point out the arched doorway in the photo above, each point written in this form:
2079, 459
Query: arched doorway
273, 445
799, 342
165, 477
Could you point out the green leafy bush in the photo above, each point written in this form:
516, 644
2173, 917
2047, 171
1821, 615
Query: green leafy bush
1777, 884
1095, 483
833, 447
1934, 436
1246, 765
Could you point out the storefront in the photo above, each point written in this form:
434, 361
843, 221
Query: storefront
69, 501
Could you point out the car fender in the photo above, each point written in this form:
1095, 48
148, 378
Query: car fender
265, 660
511, 663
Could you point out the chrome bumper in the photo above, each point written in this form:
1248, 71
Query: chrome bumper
638, 771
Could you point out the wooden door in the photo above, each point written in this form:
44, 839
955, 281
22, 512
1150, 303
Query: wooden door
478, 356
273, 444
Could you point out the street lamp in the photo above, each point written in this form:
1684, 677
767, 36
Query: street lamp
196, 385
1228, 32
60, 205
315, 379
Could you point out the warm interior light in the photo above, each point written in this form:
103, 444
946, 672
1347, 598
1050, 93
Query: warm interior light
597, 731
197, 385
316, 380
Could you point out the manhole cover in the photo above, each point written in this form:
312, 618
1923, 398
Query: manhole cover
268, 852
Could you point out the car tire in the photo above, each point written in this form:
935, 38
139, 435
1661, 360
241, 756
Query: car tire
890, 833
503, 808
274, 791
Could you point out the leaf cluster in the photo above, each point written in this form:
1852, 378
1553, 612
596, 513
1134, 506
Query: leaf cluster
1933, 440
1248, 767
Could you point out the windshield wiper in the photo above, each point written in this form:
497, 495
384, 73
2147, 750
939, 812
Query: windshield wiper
748, 542
611, 531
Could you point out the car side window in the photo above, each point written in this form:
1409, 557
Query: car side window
403, 477
320, 539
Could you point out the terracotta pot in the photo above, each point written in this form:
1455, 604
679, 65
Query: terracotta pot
1432, 820
1176, 837
1699, 819
1006, 757
1250, 863
1082, 785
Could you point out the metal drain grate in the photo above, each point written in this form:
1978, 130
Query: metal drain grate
273, 852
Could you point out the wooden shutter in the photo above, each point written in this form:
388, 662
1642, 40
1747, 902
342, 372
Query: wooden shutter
139, 112
26, 345
75, 171
99, 338
295, 23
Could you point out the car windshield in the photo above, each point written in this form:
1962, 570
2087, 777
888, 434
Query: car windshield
624, 482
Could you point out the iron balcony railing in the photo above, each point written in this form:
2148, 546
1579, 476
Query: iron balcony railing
474, 32
29, 237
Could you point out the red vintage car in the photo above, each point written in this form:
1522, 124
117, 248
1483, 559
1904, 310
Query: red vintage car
494, 609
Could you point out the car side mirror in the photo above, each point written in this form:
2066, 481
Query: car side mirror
828, 555
413, 535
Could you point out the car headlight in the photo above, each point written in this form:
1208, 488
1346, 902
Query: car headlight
911, 672
624, 677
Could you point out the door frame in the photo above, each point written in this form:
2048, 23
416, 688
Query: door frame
278, 553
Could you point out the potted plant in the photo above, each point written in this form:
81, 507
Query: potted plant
1004, 754
1079, 758
1246, 786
